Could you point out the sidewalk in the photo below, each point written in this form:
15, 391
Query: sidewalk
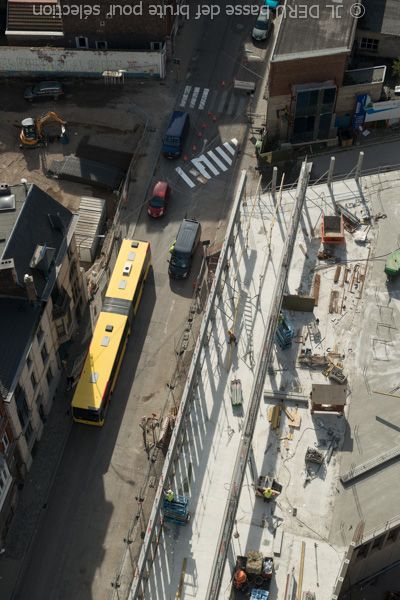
38, 483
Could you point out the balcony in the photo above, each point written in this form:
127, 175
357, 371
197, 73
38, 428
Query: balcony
370, 75
61, 303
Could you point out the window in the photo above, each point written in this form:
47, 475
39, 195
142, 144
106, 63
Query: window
44, 353
39, 334
101, 45
49, 375
22, 407
60, 328
369, 44
28, 433
82, 42
33, 380
5, 478
377, 543
5, 442
156, 45
393, 534
362, 551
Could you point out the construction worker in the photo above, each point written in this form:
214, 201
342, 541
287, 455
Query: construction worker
240, 579
169, 495
232, 337
269, 493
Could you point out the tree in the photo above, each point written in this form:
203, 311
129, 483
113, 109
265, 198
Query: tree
396, 68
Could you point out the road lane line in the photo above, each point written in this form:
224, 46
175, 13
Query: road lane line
194, 97
203, 99
185, 96
185, 178
218, 162
223, 155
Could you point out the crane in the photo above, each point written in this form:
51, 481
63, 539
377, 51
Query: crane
32, 132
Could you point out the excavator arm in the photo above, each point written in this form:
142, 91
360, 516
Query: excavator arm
50, 117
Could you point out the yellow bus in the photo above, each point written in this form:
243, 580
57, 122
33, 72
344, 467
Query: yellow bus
107, 348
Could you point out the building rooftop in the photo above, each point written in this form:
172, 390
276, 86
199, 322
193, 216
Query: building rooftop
40, 221
18, 320
34, 232
381, 16
308, 30
353, 326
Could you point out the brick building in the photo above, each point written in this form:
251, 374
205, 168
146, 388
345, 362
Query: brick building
310, 91
95, 24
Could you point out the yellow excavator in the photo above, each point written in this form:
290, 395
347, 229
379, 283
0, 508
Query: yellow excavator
32, 132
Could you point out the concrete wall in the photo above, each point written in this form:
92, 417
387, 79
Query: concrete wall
277, 126
388, 45
22, 62
375, 553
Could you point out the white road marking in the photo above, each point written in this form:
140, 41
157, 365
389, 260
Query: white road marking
169, 316
218, 162
200, 167
228, 147
209, 164
185, 178
194, 97
224, 155
185, 95
203, 99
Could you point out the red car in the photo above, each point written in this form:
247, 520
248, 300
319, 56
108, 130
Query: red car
158, 203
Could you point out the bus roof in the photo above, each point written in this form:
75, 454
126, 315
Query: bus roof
127, 270
99, 361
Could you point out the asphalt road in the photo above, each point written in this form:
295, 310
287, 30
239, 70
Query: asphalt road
79, 545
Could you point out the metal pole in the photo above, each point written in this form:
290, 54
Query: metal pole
359, 166
242, 457
273, 182
331, 170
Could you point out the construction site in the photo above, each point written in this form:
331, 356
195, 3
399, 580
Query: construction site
281, 467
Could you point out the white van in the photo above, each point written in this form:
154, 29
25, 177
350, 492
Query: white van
263, 25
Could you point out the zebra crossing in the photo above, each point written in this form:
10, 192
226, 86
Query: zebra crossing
209, 164
226, 101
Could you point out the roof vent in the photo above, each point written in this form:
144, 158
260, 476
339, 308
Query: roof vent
4, 189
135, 245
131, 255
127, 269
7, 201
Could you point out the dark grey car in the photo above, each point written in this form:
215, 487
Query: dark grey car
44, 89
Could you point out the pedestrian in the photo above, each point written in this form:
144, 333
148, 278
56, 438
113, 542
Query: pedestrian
232, 337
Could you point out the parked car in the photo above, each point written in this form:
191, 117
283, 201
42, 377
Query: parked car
263, 25
158, 202
183, 249
175, 135
45, 89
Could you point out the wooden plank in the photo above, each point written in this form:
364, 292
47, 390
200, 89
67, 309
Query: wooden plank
277, 545
301, 573
288, 413
337, 274
317, 283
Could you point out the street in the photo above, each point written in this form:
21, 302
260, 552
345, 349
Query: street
79, 546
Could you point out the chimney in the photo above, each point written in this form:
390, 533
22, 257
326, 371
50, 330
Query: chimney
30, 288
